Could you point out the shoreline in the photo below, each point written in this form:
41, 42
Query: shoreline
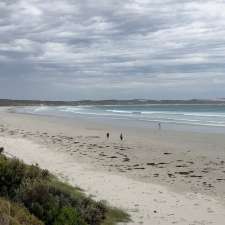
115, 120
92, 158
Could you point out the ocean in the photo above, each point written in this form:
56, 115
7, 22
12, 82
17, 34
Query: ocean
166, 114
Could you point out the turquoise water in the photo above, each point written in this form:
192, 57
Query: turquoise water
195, 115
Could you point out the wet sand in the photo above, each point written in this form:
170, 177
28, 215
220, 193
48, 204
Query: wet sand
160, 177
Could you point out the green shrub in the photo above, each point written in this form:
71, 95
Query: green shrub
68, 216
13, 173
46, 201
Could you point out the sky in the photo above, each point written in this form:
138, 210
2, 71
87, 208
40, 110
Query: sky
112, 49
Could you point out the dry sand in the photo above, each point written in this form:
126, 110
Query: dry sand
159, 178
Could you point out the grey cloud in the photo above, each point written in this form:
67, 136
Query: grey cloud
73, 49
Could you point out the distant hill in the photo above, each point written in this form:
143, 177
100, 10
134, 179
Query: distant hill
11, 102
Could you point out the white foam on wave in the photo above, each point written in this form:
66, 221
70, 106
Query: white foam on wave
199, 114
182, 113
119, 111
40, 108
71, 109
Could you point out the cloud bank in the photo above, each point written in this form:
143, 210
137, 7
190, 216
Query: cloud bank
66, 49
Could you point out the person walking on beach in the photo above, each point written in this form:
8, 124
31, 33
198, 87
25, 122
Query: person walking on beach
121, 136
107, 135
159, 125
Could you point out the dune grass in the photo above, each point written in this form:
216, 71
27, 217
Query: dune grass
15, 214
114, 216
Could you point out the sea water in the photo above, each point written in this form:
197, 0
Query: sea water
202, 115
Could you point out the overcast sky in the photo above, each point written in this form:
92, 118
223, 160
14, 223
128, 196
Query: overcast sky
101, 49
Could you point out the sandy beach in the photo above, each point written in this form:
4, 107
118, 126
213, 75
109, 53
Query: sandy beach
158, 177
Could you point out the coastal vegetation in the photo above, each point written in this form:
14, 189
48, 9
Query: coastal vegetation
30, 195
15, 214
